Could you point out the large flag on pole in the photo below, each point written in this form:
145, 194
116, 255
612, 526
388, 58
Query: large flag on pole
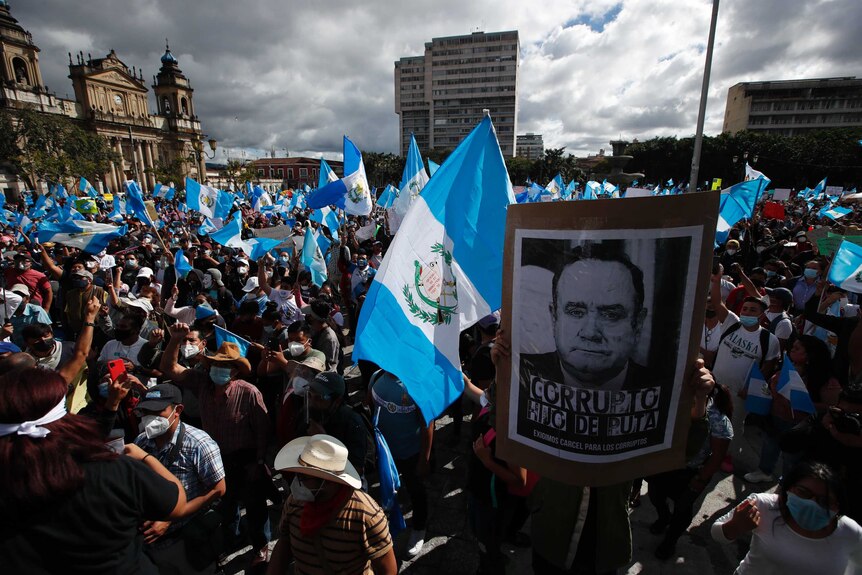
413, 179
846, 268
87, 188
326, 175
442, 273
201, 198
135, 202
358, 191
737, 202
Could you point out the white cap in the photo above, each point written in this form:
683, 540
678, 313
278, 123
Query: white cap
250, 285
145, 273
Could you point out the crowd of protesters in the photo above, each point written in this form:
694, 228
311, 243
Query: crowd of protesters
136, 439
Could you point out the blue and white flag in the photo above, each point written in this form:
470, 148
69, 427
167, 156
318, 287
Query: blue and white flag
312, 258
442, 273
326, 174
737, 202
791, 386
201, 198
432, 167
260, 199
555, 186
89, 237
119, 211
87, 188
390, 482
230, 235
846, 269
224, 204
758, 399
135, 202
58, 191
297, 202
326, 216
387, 198
222, 335
752, 174
181, 264
834, 213
164, 192
592, 190
359, 202
413, 179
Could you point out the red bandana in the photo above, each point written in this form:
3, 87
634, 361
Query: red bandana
316, 514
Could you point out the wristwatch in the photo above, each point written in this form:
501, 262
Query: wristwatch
89, 324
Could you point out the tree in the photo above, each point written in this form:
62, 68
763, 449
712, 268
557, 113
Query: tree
382, 169
167, 172
238, 173
438, 155
519, 170
53, 148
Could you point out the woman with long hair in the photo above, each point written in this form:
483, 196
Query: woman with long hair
684, 486
800, 529
811, 359
67, 503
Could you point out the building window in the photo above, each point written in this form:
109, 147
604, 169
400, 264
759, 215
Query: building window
19, 67
281, 172
260, 172
166, 105
290, 173
184, 106
303, 172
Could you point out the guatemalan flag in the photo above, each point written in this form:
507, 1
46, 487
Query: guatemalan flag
737, 202
791, 386
442, 273
326, 216
87, 188
846, 268
312, 258
758, 399
555, 186
351, 193
201, 198
387, 198
326, 175
222, 335
432, 167
182, 266
164, 192
135, 202
834, 213
413, 179
90, 237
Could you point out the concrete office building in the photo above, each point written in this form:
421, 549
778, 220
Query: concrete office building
530, 146
439, 96
790, 107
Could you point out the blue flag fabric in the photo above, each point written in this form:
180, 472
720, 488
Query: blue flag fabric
201, 198
164, 192
90, 237
791, 386
736, 203
87, 188
135, 202
442, 273
432, 167
326, 174
312, 258
834, 213
390, 482
222, 335
325, 216
224, 204
387, 198
119, 211
758, 398
846, 269
181, 264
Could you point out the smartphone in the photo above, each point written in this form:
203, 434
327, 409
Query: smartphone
116, 368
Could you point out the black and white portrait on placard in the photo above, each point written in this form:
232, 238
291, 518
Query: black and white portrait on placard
601, 318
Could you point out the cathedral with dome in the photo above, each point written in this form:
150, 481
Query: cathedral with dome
111, 100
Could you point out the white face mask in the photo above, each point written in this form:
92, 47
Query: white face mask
730, 252
301, 493
242, 270
296, 349
208, 282
300, 385
156, 425
189, 350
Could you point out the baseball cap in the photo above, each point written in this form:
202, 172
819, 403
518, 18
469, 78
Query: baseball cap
8, 346
160, 396
783, 294
84, 274
250, 285
145, 272
328, 384
314, 362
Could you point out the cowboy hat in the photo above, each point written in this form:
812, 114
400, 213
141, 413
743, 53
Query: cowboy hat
229, 352
320, 456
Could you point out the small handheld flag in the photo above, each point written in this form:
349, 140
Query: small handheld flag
758, 398
222, 335
846, 268
791, 386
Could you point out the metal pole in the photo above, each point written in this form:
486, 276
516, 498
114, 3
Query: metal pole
134, 159
704, 92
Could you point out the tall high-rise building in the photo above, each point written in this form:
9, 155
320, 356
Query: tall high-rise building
789, 107
440, 96
530, 146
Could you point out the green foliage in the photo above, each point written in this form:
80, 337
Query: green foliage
167, 172
519, 170
438, 155
238, 173
382, 169
54, 149
555, 161
790, 161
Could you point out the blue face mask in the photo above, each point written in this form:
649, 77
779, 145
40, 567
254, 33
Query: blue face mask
220, 375
810, 273
807, 513
749, 321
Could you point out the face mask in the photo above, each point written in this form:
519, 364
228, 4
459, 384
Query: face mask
301, 493
79, 284
749, 321
131, 263
21, 266
208, 282
44, 345
207, 252
730, 252
810, 273
242, 270
103, 390
220, 375
284, 259
710, 313
90, 265
155, 425
771, 274
807, 513
121, 334
363, 263
189, 350
296, 349
300, 385
268, 329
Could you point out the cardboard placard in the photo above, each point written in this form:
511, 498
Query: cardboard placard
638, 193
781, 194
595, 393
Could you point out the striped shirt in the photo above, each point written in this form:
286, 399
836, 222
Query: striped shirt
346, 545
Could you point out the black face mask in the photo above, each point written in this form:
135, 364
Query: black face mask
44, 345
710, 313
121, 334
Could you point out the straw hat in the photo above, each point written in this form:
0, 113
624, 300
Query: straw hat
229, 352
320, 456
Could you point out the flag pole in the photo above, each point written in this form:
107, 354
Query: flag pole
704, 92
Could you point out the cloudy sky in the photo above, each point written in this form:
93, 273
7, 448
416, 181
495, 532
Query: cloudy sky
299, 74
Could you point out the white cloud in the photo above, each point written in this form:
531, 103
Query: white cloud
299, 75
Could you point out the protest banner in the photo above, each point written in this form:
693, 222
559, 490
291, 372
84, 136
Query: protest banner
781, 194
773, 211
283, 233
638, 193
605, 309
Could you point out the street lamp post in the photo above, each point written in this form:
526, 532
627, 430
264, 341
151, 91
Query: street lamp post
744, 163
198, 154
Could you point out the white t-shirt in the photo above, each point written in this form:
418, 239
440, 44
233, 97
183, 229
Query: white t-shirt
737, 353
784, 327
778, 550
116, 350
709, 337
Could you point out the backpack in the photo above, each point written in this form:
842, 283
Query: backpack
764, 339
774, 324
364, 413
